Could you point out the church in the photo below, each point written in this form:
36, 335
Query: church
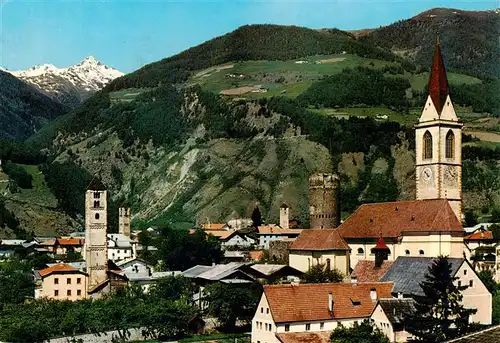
430, 225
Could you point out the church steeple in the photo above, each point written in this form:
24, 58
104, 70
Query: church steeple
438, 83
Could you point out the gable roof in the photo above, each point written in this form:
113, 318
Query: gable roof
365, 271
214, 226
270, 269
319, 239
479, 235
60, 268
304, 302
408, 272
217, 272
396, 309
304, 337
391, 219
273, 229
491, 334
438, 83
69, 241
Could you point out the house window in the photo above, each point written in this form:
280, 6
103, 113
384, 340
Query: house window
471, 283
420, 252
321, 326
308, 327
270, 327
68, 292
97, 216
407, 252
465, 271
459, 283
427, 145
261, 325
79, 280
360, 251
267, 310
450, 144
266, 326
56, 281
79, 292
68, 281
262, 310
56, 293
328, 265
287, 327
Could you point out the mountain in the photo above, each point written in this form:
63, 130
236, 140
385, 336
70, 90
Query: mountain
24, 109
70, 86
469, 39
165, 141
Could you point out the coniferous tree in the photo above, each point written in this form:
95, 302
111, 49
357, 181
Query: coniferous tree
439, 314
256, 217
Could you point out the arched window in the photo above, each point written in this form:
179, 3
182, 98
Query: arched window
427, 145
97, 216
450, 144
421, 252
407, 252
360, 251
328, 264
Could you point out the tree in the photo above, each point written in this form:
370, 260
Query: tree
365, 332
229, 303
486, 277
495, 230
495, 215
256, 217
16, 282
439, 314
321, 274
470, 218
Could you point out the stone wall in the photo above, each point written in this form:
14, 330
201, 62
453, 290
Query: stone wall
278, 251
107, 337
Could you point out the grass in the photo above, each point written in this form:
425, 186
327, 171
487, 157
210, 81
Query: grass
126, 94
406, 119
419, 81
220, 337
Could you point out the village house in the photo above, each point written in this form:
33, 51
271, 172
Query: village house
63, 245
291, 309
273, 232
62, 282
319, 246
389, 316
120, 247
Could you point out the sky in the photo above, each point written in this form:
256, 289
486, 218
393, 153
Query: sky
127, 34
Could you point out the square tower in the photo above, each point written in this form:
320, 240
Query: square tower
438, 143
124, 221
96, 252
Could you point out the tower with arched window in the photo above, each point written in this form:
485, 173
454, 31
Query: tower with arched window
96, 251
438, 136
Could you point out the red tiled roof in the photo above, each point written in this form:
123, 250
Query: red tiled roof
391, 219
304, 337
365, 271
69, 241
48, 243
319, 239
438, 83
61, 267
256, 255
480, 235
306, 302
273, 229
381, 245
215, 226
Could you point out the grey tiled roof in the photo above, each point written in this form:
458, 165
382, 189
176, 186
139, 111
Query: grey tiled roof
491, 335
195, 271
396, 309
408, 272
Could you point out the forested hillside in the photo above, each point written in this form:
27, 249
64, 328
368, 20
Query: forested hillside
23, 109
469, 39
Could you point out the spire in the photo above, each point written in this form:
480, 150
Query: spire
381, 244
438, 83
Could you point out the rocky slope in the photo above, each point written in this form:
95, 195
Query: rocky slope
70, 86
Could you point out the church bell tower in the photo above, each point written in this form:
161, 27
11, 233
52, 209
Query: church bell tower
438, 142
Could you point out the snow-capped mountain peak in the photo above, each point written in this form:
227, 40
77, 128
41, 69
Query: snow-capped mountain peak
70, 85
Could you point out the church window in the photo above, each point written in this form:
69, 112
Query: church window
421, 252
360, 251
407, 252
97, 204
97, 195
450, 144
427, 145
97, 216
328, 264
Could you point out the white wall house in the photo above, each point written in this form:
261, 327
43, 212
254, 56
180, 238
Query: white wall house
120, 247
285, 309
272, 232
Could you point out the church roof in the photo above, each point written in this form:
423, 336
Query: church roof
96, 185
381, 245
391, 219
438, 83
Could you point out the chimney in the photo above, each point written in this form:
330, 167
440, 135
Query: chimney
330, 302
284, 216
400, 295
354, 279
373, 294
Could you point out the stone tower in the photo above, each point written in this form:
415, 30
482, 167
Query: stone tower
438, 142
96, 251
284, 216
324, 211
124, 221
